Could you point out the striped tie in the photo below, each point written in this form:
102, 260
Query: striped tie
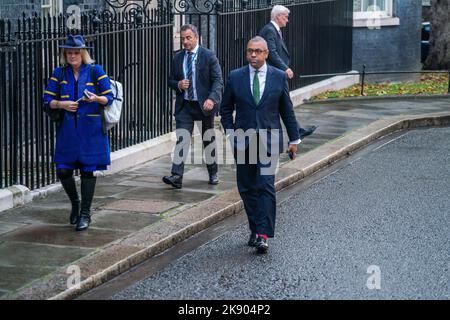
189, 76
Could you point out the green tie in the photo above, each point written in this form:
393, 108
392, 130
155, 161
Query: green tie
256, 94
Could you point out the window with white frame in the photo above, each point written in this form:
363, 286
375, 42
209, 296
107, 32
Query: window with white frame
374, 13
372, 8
51, 7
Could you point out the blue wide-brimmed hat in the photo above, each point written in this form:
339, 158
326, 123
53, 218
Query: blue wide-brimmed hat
75, 42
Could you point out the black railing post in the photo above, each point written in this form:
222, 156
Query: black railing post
363, 76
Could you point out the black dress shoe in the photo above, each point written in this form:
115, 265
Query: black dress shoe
213, 179
306, 132
174, 180
261, 245
252, 240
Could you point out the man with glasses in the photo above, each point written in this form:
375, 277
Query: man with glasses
278, 52
259, 95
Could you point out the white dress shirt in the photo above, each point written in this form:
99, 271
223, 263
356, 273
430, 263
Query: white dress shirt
262, 75
278, 28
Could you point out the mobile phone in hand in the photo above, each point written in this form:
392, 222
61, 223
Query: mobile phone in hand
87, 94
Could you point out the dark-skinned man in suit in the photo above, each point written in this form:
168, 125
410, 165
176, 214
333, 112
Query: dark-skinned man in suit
259, 95
197, 80
278, 52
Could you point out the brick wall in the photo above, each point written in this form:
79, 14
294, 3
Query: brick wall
391, 47
86, 5
13, 9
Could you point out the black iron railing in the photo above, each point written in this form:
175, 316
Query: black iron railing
133, 47
365, 73
318, 35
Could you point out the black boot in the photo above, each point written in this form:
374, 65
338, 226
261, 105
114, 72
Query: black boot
87, 194
71, 190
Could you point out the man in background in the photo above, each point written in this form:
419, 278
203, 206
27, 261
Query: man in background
278, 52
197, 80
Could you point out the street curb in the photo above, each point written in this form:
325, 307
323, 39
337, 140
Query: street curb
377, 98
299, 96
13, 196
162, 235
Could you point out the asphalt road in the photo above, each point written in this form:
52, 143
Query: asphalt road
376, 228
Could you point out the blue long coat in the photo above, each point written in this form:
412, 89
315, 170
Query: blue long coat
80, 138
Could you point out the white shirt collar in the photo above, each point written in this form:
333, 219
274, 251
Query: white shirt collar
263, 69
195, 49
276, 26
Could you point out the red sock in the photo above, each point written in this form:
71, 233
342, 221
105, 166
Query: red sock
264, 236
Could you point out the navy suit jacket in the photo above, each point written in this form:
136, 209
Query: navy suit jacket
275, 102
209, 81
278, 52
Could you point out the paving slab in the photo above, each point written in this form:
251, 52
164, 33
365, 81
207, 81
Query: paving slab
167, 194
6, 227
150, 179
15, 277
31, 254
22, 262
110, 190
60, 200
146, 206
194, 179
30, 214
114, 179
119, 220
64, 236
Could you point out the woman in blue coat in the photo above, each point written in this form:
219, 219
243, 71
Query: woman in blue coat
81, 142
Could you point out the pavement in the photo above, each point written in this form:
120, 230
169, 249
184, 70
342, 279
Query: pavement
136, 216
384, 208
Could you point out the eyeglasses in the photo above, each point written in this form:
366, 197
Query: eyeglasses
257, 51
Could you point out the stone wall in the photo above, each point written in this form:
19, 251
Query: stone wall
391, 47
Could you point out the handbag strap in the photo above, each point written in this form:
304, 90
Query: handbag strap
94, 79
61, 79
101, 109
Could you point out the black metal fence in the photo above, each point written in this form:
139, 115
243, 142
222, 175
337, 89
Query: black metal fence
319, 33
134, 48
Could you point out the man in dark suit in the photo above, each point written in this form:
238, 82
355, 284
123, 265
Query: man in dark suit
197, 80
259, 94
278, 52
